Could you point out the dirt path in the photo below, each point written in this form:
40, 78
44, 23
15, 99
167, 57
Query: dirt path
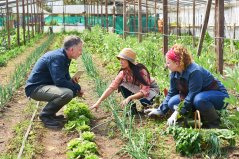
11, 115
13, 112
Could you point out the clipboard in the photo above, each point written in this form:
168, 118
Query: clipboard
78, 74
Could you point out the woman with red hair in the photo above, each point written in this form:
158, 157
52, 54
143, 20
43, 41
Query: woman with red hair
194, 85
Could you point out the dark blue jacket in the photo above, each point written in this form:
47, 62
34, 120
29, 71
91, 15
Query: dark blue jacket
51, 69
194, 79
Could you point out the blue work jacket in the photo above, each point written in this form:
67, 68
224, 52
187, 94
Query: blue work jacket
51, 69
195, 79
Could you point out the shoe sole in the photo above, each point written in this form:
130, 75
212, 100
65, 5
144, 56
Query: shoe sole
58, 127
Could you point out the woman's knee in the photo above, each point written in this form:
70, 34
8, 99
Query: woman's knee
175, 100
200, 102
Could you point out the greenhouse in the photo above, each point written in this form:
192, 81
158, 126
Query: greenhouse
119, 79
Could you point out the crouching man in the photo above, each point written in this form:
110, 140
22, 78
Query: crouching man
50, 81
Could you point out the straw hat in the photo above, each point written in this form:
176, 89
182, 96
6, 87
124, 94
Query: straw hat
127, 54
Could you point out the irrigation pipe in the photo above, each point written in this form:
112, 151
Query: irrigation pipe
27, 133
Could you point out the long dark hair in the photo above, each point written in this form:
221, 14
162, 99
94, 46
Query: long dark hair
136, 73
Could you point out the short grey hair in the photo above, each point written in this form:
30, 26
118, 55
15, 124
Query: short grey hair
70, 41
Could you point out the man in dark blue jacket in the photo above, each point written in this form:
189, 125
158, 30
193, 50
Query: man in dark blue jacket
50, 81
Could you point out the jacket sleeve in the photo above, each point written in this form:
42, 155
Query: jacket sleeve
195, 83
59, 72
172, 91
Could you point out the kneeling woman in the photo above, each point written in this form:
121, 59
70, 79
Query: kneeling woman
133, 81
190, 82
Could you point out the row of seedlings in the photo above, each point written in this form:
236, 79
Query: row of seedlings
78, 119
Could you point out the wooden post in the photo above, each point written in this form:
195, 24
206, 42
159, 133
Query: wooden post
155, 12
85, 14
63, 14
42, 18
165, 26
134, 18
28, 29
146, 25
38, 19
23, 22
97, 12
177, 19
139, 21
215, 25
106, 15
35, 17
8, 26
234, 31
32, 19
102, 20
204, 28
169, 26
220, 35
94, 13
124, 19
194, 40
90, 13
114, 17
18, 21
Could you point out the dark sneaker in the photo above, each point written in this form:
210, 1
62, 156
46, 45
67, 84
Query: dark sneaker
50, 122
59, 118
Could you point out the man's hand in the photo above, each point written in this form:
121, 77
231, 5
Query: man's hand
80, 93
75, 79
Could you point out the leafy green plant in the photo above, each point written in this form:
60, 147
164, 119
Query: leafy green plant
83, 128
191, 141
78, 148
90, 136
76, 110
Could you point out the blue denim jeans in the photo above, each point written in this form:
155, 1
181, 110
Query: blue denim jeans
126, 93
203, 100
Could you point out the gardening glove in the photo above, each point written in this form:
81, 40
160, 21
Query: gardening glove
151, 112
172, 120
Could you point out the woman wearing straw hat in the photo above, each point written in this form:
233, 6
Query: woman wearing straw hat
194, 85
133, 81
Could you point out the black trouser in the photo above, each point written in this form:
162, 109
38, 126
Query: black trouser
126, 93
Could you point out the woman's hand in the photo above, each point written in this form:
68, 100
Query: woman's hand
125, 102
95, 106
